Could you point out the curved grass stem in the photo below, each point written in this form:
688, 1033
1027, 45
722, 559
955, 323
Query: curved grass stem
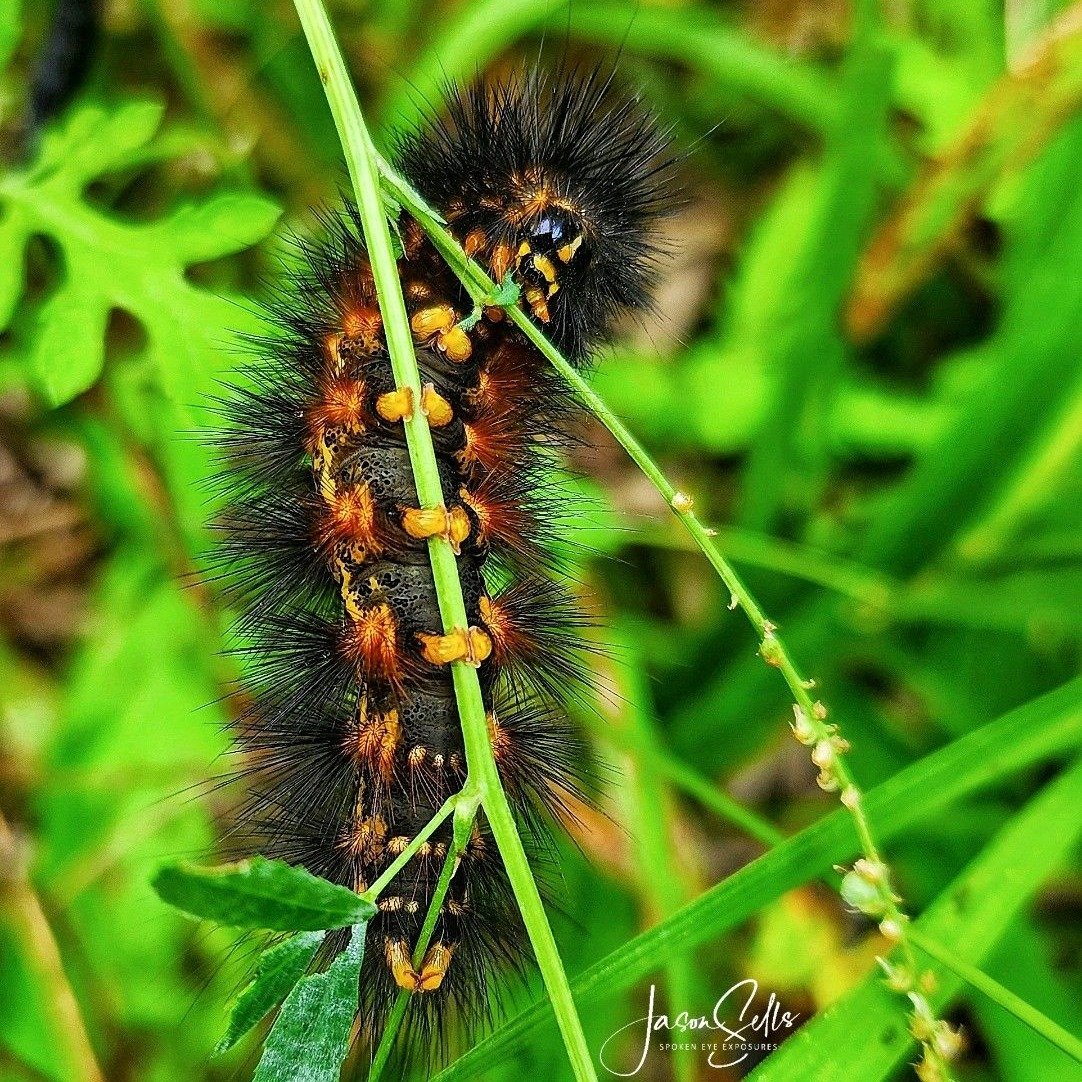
811, 725
483, 777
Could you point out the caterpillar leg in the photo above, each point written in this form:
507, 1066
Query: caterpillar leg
437, 961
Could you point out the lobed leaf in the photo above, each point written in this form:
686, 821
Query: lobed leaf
109, 263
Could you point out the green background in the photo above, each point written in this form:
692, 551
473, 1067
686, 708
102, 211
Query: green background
864, 367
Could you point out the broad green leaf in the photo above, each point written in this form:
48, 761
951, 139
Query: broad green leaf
970, 916
1035, 732
310, 1037
279, 969
261, 893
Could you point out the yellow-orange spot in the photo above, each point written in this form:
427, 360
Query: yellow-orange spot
479, 507
321, 463
397, 953
471, 646
524, 249
475, 241
436, 319
500, 262
376, 741
567, 252
435, 407
397, 845
453, 526
396, 405
418, 291
391, 904
416, 755
536, 300
434, 967
456, 344
331, 346
546, 267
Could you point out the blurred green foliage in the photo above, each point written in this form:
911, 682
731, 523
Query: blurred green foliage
865, 368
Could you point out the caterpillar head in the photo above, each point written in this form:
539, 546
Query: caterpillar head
558, 183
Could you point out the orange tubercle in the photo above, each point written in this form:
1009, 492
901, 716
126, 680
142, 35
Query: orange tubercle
435, 407
372, 640
453, 526
456, 344
396, 405
436, 319
341, 403
352, 516
471, 646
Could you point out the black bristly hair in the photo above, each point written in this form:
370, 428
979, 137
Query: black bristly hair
347, 717
605, 159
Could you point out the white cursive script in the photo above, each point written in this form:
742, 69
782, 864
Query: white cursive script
733, 1035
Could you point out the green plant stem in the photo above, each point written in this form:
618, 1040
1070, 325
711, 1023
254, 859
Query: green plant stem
21, 908
465, 808
373, 892
480, 286
361, 160
977, 978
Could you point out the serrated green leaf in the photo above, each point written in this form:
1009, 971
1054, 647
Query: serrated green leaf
278, 971
310, 1038
508, 292
261, 893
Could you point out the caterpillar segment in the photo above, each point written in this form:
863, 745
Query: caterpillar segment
347, 719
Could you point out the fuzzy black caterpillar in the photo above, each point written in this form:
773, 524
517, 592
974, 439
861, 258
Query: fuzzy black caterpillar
348, 724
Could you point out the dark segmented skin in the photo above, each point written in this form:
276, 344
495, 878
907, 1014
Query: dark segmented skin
349, 725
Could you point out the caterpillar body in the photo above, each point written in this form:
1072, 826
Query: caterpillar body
349, 728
